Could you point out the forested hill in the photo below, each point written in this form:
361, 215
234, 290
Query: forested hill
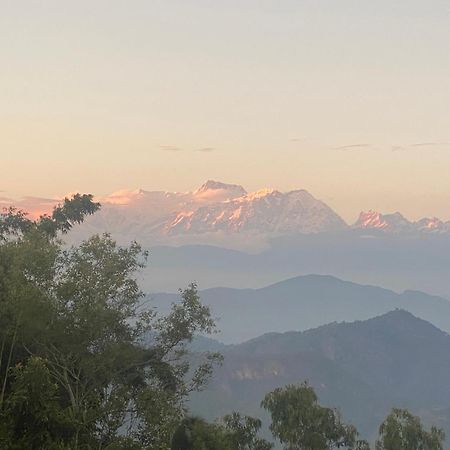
364, 368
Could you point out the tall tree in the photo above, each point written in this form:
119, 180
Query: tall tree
403, 431
82, 364
195, 433
301, 423
234, 432
243, 432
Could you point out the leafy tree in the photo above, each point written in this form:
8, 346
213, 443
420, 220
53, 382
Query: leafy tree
242, 433
82, 365
196, 434
73, 211
234, 432
34, 418
300, 423
403, 431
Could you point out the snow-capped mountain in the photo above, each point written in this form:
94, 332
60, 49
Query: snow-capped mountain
396, 223
152, 209
225, 214
264, 211
217, 191
214, 210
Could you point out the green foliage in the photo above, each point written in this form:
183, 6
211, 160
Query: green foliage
32, 416
64, 216
403, 431
197, 434
243, 433
77, 369
234, 433
300, 423
14, 223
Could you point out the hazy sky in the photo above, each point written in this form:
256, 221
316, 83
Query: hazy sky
348, 99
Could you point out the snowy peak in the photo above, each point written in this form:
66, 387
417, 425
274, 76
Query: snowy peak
396, 223
222, 213
215, 212
217, 191
370, 219
375, 220
432, 224
265, 211
212, 185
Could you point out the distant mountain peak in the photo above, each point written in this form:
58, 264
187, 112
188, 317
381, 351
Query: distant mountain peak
230, 209
430, 224
216, 191
394, 222
213, 185
371, 219
397, 223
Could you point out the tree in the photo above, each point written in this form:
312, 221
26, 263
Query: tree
300, 423
73, 211
196, 434
403, 431
33, 416
234, 432
82, 364
243, 433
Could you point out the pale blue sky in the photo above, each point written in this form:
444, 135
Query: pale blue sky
331, 96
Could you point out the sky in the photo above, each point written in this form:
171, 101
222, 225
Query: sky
348, 99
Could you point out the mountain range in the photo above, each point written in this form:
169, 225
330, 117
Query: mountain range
214, 213
218, 213
264, 211
397, 223
221, 235
306, 302
364, 368
217, 207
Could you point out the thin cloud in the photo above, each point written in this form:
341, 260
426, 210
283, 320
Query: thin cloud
430, 144
419, 145
352, 147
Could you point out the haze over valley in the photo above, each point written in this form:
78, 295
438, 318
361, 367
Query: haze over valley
221, 235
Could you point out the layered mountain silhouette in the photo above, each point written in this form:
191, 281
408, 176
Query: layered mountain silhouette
365, 368
305, 302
